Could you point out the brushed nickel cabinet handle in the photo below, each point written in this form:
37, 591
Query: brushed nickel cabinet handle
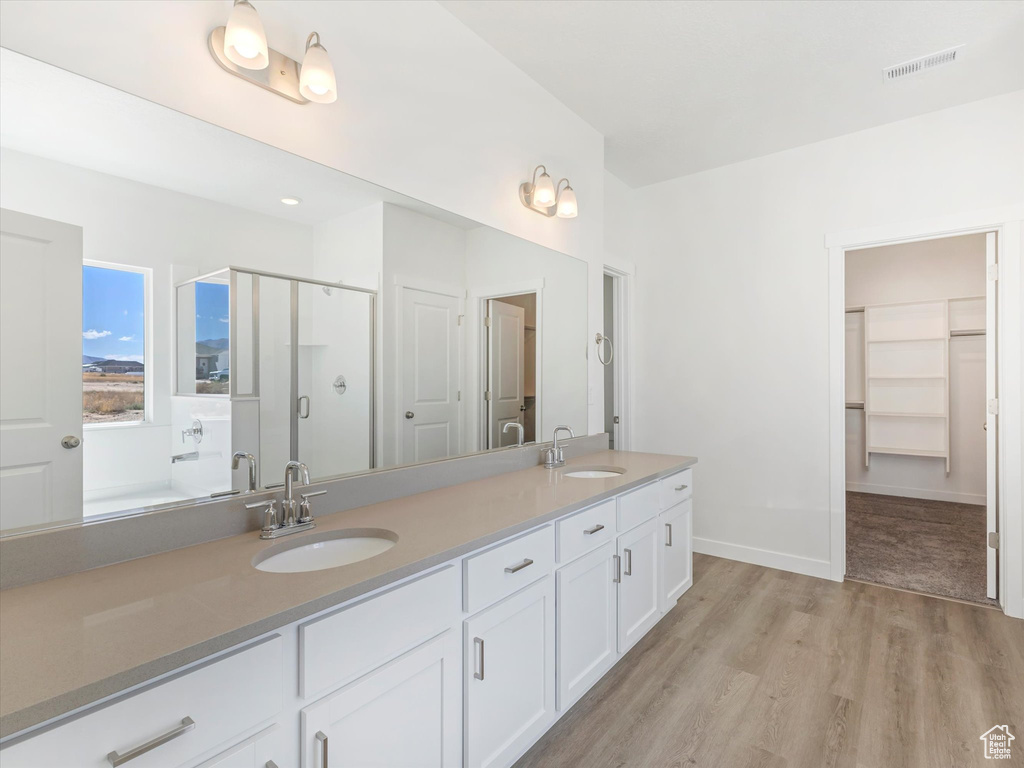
518, 566
595, 529
116, 759
303, 412
668, 534
270, 764
322, 738
629, 561
682, 487
478, 642
618, 569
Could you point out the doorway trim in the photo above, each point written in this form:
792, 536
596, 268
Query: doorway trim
480, 297
624, 273
1007, 222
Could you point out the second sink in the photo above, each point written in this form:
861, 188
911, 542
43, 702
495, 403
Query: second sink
325, 550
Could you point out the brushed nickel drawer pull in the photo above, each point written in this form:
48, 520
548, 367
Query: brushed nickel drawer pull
618, 569
668, 534
629, 561
682, 487
187, 724
322, 738
270, 764
595, 529
478, 642
518, 567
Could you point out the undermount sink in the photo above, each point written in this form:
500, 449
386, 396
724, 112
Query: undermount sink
594, 473
325, 550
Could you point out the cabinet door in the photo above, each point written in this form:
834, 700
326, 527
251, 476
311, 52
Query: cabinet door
586, 622
676, 552
510, 675
405, 713
639, 607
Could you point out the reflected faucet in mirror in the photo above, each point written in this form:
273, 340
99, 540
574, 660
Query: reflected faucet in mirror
555, 455
251, 460
519, 431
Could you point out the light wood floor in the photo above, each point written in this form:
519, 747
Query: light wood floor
757, 667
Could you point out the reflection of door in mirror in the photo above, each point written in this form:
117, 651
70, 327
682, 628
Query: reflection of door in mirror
511, 368
429, 401
40, 379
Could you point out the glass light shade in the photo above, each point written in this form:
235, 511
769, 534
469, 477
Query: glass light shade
316, 79
567, 208
245, 42
544, 192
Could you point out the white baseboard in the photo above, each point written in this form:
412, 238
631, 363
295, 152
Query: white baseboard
766, 557
918, 493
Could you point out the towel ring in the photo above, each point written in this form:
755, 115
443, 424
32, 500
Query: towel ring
611, 350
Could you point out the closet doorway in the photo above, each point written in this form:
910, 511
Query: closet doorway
920, 373
613, 353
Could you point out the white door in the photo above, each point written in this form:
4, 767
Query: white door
991, 419
510, 675
639, 607
506, 370
586, 644
405, 713
676, 552
40, 370
429, 403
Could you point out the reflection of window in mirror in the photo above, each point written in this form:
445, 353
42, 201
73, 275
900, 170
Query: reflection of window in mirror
212, 334
113, 344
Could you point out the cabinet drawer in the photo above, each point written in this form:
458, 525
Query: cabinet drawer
676, 488
637, 506
584, 531
502, 570
222, 699
337, 647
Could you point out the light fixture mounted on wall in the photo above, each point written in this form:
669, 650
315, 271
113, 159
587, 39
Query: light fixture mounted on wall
548, 199
241, 49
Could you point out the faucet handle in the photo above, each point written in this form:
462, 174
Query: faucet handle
311, 495
269, 507
305, 508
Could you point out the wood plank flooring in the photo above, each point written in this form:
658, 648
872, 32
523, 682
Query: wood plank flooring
762, 668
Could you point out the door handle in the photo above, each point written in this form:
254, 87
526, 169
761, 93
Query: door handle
618, 569
478, 642
187, 724
668, 534
629, 561
304, 414
409, 414
322, 738
70, 441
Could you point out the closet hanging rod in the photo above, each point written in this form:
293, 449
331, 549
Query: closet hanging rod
855, 406
954, 334
855, 310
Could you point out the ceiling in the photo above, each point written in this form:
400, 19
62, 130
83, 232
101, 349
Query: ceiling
680, 87
51, 113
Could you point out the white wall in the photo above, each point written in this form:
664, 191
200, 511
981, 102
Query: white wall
125, 222
931, 269
731, 336
425, 106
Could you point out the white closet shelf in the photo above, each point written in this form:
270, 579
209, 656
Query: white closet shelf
909, 415
904, 339
907, 451
905, 377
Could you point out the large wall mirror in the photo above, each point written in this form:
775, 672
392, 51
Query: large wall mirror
174, 294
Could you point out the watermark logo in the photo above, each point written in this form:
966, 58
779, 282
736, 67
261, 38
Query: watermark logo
997, 742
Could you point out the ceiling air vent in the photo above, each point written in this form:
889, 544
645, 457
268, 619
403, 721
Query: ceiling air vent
915, 66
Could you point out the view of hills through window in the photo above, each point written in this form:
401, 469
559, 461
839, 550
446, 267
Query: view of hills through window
212, 326
113, 345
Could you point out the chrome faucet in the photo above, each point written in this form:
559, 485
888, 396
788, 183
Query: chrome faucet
289, 505
518, 426
555, 455
239, 455
290, 521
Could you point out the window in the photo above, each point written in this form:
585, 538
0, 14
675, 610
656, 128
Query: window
113, 345
212, 347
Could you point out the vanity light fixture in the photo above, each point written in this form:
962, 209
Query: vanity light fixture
241, 49
291, 200
542, 196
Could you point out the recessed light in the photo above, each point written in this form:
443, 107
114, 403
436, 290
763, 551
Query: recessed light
291, 200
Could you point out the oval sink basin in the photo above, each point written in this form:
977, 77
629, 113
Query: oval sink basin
326, 550
594, 473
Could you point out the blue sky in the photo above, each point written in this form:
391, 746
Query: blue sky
113, 313
211, 311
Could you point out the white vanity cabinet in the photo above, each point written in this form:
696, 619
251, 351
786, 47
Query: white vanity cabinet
405, 713
676, 535
586, 643
509, 675
639, 606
